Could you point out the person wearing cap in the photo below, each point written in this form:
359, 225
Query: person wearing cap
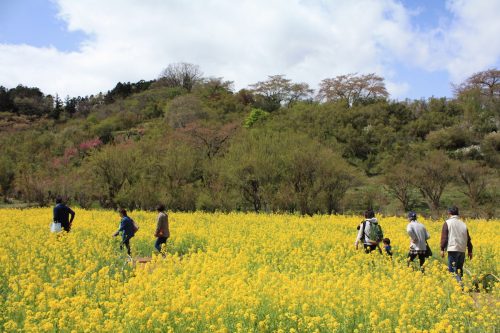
418, 239
162, 232
455, 239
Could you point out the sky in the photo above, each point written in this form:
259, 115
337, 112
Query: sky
84, 47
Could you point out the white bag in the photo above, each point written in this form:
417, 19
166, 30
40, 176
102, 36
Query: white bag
55, 227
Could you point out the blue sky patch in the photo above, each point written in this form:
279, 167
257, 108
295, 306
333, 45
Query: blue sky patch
35, 22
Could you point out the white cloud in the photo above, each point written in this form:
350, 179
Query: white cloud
474, 35
245, 41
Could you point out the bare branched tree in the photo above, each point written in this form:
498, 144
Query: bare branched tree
475, 179
399, 184
181, 74
431, 175
278, 90
486, 82
209, 139
352, 88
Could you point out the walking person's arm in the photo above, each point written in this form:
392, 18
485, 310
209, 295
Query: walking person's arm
469, 245
121, 228
72, 213
158, 226
359, 236
444, 238
411, 233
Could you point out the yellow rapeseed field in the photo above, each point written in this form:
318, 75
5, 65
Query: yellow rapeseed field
234, 273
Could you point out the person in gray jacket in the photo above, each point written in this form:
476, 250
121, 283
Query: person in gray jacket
455, 239
418, 239
162, 232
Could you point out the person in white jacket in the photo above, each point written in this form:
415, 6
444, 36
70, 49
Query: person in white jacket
418, 239
455, 239
369, 233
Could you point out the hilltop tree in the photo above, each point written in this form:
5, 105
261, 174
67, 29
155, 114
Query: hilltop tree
352, 88
487, 83
182, 75
278, 90
58, 108
480, 98
6, 102
70, 104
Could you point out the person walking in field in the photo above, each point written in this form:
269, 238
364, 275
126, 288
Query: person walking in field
127, 229
62, 214
418, 239
455, 239
370, 233
162, 232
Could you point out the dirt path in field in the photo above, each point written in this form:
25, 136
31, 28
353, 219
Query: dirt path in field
142, 260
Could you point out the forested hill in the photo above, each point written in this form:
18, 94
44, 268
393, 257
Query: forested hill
196, 144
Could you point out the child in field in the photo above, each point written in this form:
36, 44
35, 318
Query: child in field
387, 246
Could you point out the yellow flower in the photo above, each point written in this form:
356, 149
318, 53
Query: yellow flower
233, 272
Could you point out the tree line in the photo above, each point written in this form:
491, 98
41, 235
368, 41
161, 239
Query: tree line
194, 143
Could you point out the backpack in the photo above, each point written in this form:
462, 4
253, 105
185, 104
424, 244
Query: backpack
136, 226
375, 234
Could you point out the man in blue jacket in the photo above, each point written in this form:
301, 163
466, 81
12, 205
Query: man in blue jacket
62, 213
126, 228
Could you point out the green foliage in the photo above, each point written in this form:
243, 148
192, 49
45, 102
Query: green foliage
184, 110
255, 116
7, 174
490, 147
183, 145
449, 138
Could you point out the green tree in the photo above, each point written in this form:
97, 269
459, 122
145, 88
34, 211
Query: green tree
475, 178
112, 167
184, 110
255, 116
253, 166
7, 175
399, 183
431, 174
319, 177
490, 148
479, 94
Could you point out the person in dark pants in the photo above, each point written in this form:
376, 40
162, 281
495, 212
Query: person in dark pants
369, 233
418, 239
62, 213
455, 240
127, 230
162, 231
